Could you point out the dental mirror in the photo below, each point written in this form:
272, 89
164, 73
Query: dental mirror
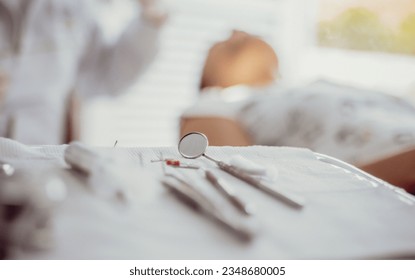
194, 145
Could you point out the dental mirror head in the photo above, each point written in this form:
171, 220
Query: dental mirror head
193, 145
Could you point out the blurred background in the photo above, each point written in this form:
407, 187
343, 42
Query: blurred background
366, 43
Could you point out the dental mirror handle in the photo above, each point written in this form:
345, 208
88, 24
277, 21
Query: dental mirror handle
290, 199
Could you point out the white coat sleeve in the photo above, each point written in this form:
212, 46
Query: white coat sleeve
108, 68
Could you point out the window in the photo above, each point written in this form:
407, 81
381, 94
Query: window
373, 25
359, 43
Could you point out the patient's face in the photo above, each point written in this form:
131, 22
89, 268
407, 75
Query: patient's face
241, 59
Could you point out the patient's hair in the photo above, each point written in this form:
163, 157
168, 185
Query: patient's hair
240, 59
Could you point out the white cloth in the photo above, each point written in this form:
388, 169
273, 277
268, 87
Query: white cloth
50, 47
351, 124
344, 217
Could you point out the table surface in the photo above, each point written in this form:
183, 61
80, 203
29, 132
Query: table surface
344, 217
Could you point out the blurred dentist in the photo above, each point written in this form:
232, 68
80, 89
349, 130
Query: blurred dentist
49, 47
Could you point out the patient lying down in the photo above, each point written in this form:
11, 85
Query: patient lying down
369, 129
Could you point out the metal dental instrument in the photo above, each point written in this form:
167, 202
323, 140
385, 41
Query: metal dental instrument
186, 193
200, 196
218, 183
194, 144
228, 192
97, 168
176, 163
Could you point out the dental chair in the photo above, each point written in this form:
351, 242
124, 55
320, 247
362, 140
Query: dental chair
397, 169
220, 131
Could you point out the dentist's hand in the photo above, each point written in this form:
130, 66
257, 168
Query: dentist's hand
153, 12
